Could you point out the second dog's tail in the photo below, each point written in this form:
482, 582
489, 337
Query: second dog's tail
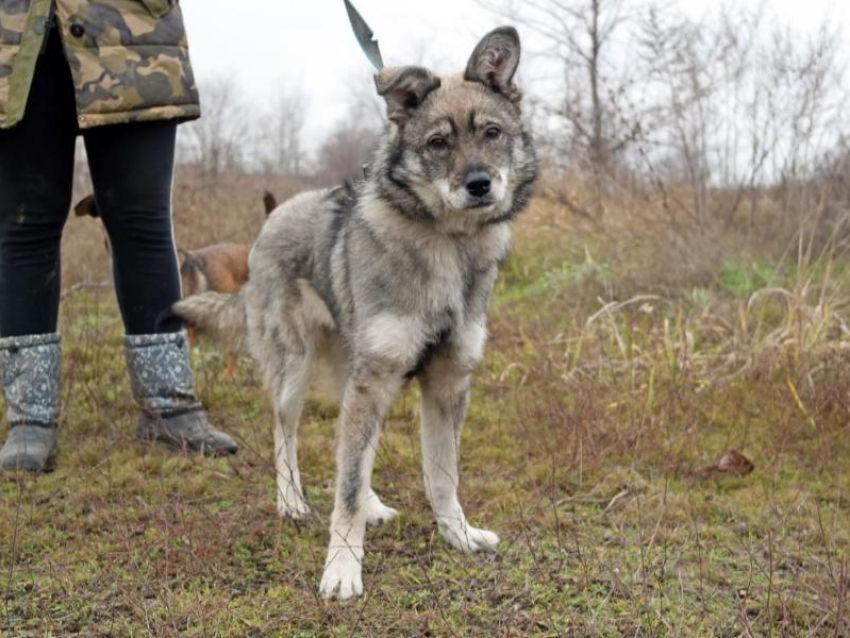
219, 315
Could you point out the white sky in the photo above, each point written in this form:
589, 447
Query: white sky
309, 43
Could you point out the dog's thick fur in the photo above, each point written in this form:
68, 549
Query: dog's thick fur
387, 280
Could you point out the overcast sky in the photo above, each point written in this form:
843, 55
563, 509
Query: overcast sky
308, 43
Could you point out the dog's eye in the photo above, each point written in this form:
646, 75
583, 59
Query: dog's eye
493, 132
438, 143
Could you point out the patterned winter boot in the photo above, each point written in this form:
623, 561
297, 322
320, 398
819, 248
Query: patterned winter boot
31, 369
161, 379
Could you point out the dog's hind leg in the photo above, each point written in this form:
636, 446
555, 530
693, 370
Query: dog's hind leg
366, 402
288, 402
445, 397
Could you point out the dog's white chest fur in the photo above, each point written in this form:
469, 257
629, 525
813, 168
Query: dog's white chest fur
435, 308
439, 304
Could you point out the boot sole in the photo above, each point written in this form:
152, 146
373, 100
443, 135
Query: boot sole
185, 447
48, 467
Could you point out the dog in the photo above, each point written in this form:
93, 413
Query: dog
387, 280
220, 268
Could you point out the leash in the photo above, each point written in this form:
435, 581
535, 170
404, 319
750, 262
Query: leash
365, 36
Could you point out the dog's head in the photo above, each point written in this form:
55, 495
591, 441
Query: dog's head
458, 144
192, 278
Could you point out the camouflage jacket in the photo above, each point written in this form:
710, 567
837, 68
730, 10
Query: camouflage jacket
128, 58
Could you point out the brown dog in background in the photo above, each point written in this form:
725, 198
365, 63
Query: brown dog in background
217, 268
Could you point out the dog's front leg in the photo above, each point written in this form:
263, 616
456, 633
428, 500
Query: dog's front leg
445, 397
368, 397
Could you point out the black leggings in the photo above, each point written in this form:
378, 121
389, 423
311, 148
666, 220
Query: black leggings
131, 167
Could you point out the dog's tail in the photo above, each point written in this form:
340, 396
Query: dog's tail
269, 202
217, 314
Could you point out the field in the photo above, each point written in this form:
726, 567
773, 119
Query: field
624, 362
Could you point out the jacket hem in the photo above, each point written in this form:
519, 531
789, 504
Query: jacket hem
179, 112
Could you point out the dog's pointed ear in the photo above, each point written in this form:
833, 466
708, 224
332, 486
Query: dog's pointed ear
495, 60
404, 88
87, 207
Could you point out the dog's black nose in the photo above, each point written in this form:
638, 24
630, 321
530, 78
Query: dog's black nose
477, 183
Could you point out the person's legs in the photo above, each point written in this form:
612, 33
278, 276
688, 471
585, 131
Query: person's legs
36, 173
132, 167
36, 178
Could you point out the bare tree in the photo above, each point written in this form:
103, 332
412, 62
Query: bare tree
279, 133
344, 152
736, 104
217, 141
347, 147
681, 60
364, 105
580, 39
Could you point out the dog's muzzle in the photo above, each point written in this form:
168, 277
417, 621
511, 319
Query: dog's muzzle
478, 185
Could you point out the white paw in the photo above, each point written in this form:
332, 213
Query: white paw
470, 539
290, 504
343, 575
376, 512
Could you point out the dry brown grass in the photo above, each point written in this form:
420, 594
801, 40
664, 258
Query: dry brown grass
624, 357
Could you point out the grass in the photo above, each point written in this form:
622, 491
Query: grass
601, 398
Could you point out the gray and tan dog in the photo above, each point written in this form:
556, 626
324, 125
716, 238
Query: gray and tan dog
387, 280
